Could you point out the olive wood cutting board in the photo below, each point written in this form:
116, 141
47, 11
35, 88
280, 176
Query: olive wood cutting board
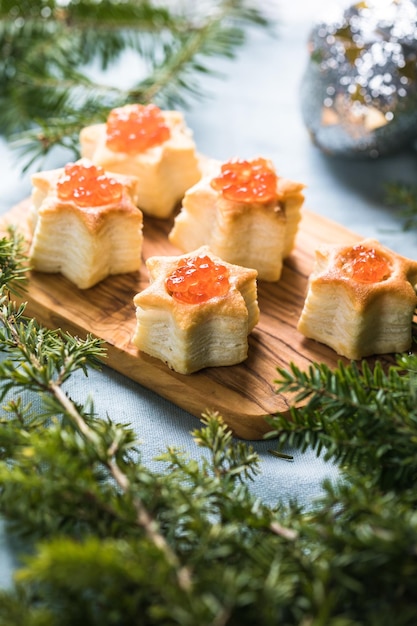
243, 394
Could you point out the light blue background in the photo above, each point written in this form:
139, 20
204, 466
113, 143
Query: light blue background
253, 111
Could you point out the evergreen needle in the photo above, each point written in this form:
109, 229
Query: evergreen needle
281, 455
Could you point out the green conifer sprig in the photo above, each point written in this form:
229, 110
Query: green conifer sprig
46, 357
403, 197
12, 262
360, 417
47, 93
109, 541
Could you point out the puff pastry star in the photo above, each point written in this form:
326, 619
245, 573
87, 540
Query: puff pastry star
191, 336
257, 234
361, 300
85, 242
164, 171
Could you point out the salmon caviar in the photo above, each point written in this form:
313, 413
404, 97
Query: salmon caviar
247, 181
135, 128
365, 265
198, 279
88, 186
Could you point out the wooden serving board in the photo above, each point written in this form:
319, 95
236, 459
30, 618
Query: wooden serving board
243, 394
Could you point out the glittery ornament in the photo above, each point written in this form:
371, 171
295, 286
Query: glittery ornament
359, 91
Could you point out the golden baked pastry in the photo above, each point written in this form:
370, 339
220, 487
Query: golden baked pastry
361, 300
245, 213
197, 311
85, 223
155, 146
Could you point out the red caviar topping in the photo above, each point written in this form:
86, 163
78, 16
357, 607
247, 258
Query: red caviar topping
135, 128
88, 186
198, 279
247, 181
365, 265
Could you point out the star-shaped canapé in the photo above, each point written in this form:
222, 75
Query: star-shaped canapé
155, 146
245, 212
85, 223
361, 300
197, 311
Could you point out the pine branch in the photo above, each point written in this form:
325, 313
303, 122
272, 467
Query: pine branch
47, 95
110, 542
231, 461
47, 359
12, 262
360, 417
403, 197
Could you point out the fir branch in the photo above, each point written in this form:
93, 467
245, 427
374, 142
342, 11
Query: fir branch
47, 95
230, 461
47, 359
111, 542
13, 266
358, 417
403, 197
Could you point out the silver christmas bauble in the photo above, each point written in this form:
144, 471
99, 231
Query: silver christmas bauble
359, 90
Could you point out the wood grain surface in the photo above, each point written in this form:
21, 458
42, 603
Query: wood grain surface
243, 394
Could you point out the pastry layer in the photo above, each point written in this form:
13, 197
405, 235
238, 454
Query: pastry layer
164, 172
84, 244
355, 318
257, 235
189, 337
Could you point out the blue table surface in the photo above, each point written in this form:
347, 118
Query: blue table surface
253, 111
